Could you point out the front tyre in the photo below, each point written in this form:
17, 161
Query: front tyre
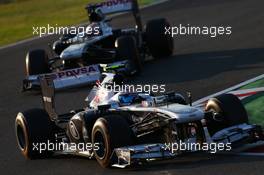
229, 112
110, 132
127, 50
37, 62
33, 127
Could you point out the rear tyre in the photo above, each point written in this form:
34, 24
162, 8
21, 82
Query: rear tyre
34, 127
127, 49
159, 44
110, 132
230, 109
37, 62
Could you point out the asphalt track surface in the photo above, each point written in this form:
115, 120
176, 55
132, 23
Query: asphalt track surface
202, 65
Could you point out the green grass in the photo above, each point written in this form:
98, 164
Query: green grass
256, 84
18, 18
254, 106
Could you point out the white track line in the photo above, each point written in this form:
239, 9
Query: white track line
201, 101
250, 154
37, 37
245, 91
228, 90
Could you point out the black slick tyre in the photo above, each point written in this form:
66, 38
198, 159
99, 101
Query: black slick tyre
110, 132
127, 50
159, 44
37, 62
34, 127
231, 110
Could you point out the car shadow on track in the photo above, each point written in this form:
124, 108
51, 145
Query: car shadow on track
191, 67
196, 66
180, 69
195, 160
183, 162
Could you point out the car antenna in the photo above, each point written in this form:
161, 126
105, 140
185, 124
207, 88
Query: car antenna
50, 47
167, 101
189, 94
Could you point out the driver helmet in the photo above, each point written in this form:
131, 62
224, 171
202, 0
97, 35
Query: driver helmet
127, 98
96, 16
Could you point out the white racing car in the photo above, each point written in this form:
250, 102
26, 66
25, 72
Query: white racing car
76, 58
127, 128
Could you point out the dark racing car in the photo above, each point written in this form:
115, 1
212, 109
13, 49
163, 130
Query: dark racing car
77, 58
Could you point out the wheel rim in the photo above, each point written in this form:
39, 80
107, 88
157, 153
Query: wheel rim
100, 139
21, 138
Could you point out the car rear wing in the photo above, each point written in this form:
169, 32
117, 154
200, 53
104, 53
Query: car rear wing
76, 77
48, 96
66, 79
113, 6
48, 99
49, 85
118, 6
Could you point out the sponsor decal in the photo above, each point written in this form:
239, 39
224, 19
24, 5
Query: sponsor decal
115, 2
47, 99
73, 72
114, 6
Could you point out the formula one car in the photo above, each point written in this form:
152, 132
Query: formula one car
128, 128
79, 55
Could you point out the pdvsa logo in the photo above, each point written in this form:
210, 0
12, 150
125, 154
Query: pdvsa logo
115, 2
73, 72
